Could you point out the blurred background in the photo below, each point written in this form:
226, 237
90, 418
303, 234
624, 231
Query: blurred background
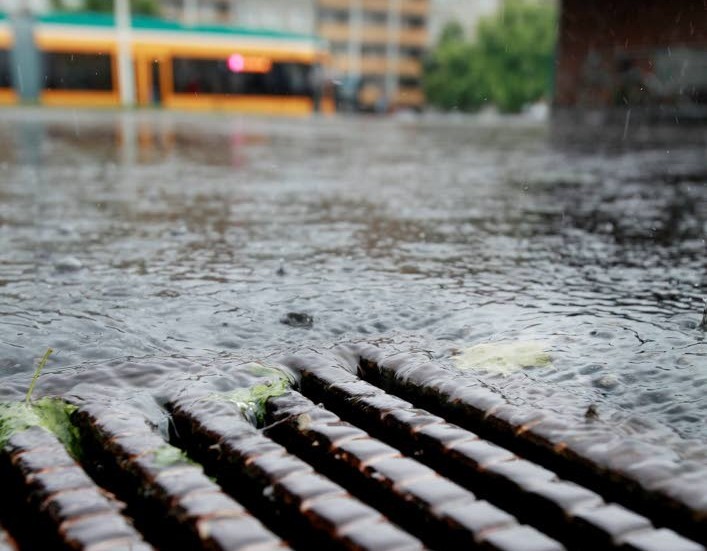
377, 56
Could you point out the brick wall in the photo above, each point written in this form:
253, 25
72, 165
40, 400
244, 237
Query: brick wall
606, 45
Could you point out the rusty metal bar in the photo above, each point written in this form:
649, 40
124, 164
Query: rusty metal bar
634, 482
57, 505
309, 508
442, 513
173, 499
371, 472
568, 511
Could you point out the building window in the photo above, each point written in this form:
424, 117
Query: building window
70, 71
412, 52
373, 80
339, 47
409, 82
375, 18
213, 76
413, 22
374, 49
333, 16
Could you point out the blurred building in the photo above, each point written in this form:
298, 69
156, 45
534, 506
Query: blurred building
376, 45
193, 12
284, 15
376, 50
32, 6
464, 12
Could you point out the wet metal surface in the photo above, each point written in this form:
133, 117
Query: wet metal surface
418, 477
136, 245
591, 457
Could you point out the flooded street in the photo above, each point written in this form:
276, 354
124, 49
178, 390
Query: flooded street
213, 240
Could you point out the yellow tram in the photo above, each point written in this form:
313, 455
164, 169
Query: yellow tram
7, 92
175, 66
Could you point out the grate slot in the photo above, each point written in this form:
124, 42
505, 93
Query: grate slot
171, 498
571, 513
312, 511
442, 513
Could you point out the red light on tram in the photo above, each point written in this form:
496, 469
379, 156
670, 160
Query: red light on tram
236, 63
239, 63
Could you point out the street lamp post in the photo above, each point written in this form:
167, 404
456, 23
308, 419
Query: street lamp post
393, 52
126, 80
354, 45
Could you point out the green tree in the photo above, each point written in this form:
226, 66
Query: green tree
452, 79
509, 65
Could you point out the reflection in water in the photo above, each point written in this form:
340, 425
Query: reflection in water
30, 138
182, 239
132, 139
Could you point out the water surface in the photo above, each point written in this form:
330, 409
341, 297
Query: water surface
151, 245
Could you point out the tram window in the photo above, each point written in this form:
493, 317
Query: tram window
5, 69
70, 71
212, 76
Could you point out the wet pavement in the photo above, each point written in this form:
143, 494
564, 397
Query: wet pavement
139, 246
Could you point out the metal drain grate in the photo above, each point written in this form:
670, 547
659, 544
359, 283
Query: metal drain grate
343, 462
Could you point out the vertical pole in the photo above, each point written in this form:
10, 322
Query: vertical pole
126, 77
26, 61
393, 52
128, 141
354, 47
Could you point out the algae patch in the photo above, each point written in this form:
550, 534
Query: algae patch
53, 414
504, 357
167, 455
16, 417
251, 400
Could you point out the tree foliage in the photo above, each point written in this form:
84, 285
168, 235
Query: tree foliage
509, 64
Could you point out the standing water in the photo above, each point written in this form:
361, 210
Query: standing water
146, 246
